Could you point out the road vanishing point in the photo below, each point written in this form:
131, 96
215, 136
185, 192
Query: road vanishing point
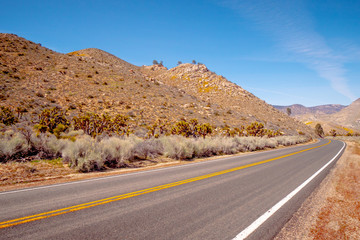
250, 196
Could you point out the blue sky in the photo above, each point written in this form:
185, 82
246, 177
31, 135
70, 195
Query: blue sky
284, 52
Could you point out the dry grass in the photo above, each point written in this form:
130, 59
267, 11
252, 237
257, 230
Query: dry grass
333, 210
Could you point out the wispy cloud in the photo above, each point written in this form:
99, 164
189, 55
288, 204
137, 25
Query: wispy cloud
290, 25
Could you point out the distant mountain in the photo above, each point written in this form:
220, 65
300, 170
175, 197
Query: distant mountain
297, 109
344, 119
92, 80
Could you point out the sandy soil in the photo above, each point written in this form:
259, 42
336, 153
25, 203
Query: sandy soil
333, 209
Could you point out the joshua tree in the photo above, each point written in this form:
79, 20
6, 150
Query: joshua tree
193, 62
319, 130
288, 111
155, 62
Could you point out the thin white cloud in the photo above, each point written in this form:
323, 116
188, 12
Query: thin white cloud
290, 25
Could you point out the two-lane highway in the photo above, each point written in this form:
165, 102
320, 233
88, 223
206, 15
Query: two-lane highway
244, 196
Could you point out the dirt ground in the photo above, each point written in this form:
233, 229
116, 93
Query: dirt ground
17, 175
333, 209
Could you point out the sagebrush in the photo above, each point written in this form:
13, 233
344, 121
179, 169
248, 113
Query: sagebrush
86, 153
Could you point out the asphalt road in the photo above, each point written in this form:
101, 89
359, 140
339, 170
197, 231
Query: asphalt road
215, 199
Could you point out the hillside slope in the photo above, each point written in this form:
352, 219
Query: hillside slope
349, 116
34, 77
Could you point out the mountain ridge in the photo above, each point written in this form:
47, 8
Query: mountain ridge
298, 109
344, 119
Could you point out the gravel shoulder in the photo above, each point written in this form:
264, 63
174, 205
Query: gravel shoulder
333, 210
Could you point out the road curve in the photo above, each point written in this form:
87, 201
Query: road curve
216, 199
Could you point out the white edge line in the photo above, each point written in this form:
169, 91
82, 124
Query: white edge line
135, 173
252, 227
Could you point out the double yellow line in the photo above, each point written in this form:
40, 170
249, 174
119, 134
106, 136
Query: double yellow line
74, 208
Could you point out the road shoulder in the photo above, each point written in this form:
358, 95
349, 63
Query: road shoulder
333, 210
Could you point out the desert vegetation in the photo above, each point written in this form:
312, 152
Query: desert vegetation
90, 142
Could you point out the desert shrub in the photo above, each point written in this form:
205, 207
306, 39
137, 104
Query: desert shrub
150, 148
255, 143
271, 143
333, 132
182, 128
21, 143
178, 147
245, 144
226, 146
160, 127
285, 141
71, 134
120, 125
214, 146
94, 124
20, 111
12, 146
291, 140
39, 94
84, 154
206, 147
256, 129
271, 133
204, 129
88, 154
47, 146
240, 131
7, 116
26, 130
116, 151
192, 128
227, 131
151, 131
53, 121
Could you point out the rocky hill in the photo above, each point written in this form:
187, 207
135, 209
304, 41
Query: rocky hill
91, 80
349, 116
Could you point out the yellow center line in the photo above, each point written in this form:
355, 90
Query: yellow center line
57, 212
